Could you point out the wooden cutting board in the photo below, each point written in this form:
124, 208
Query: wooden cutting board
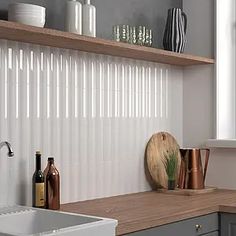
157, 149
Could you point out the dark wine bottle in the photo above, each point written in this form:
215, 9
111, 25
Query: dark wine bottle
52, 185
38, 185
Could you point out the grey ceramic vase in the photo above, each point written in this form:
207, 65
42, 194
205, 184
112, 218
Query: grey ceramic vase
175, 30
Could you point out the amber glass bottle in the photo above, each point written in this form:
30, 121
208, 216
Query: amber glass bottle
52, 185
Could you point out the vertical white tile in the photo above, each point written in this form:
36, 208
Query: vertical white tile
93, 113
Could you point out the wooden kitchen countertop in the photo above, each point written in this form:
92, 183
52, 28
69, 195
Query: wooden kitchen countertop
140, 211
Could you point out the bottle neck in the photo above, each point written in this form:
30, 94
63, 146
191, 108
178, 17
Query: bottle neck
38, 163
87, 2
51, 162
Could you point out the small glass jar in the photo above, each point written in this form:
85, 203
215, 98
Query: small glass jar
141, 35
144, 34
148, 38
133, 36
116, 33
124, 37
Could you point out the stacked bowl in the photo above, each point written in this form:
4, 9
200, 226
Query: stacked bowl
28, 14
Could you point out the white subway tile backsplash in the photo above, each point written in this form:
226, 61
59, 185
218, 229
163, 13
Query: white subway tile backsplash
94, 113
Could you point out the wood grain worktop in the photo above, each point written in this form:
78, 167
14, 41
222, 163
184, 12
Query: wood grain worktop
140, 211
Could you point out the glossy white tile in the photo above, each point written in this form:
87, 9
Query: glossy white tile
94, 113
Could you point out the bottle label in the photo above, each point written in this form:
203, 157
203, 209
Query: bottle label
39, 195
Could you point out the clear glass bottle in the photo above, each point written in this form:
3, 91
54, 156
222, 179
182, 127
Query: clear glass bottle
52, 185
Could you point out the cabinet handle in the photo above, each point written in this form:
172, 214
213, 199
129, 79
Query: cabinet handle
198, 227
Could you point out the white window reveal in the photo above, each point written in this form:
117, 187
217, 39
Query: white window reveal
225, 75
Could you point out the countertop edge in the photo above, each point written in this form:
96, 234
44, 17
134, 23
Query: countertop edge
157, 222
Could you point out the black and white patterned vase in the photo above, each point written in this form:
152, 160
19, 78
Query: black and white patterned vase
175, 31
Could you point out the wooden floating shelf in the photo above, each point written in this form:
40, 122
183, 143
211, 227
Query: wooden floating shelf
54, 38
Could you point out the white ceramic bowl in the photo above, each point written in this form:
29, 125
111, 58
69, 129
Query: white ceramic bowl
33, 22
27, 14
26, 7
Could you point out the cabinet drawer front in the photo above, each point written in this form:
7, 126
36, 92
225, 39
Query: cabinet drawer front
194, 226
216, 233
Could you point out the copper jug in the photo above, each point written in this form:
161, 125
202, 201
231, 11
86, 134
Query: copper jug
192, 175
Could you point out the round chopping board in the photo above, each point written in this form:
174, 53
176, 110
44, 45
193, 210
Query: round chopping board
158, 148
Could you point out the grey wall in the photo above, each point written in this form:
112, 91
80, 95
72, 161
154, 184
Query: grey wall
199, 94
151, 13
200, 34
199, 98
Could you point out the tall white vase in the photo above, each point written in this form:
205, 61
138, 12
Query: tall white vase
89, 19
73, 20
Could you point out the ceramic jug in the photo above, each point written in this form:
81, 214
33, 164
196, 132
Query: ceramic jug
175, 30
192, 175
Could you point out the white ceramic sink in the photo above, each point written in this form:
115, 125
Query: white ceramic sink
29, 221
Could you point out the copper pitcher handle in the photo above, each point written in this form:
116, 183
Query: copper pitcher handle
206, 162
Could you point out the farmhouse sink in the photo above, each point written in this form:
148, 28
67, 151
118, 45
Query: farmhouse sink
29, 221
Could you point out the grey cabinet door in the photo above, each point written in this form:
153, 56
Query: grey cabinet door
216, 233
209, 223
227, 224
